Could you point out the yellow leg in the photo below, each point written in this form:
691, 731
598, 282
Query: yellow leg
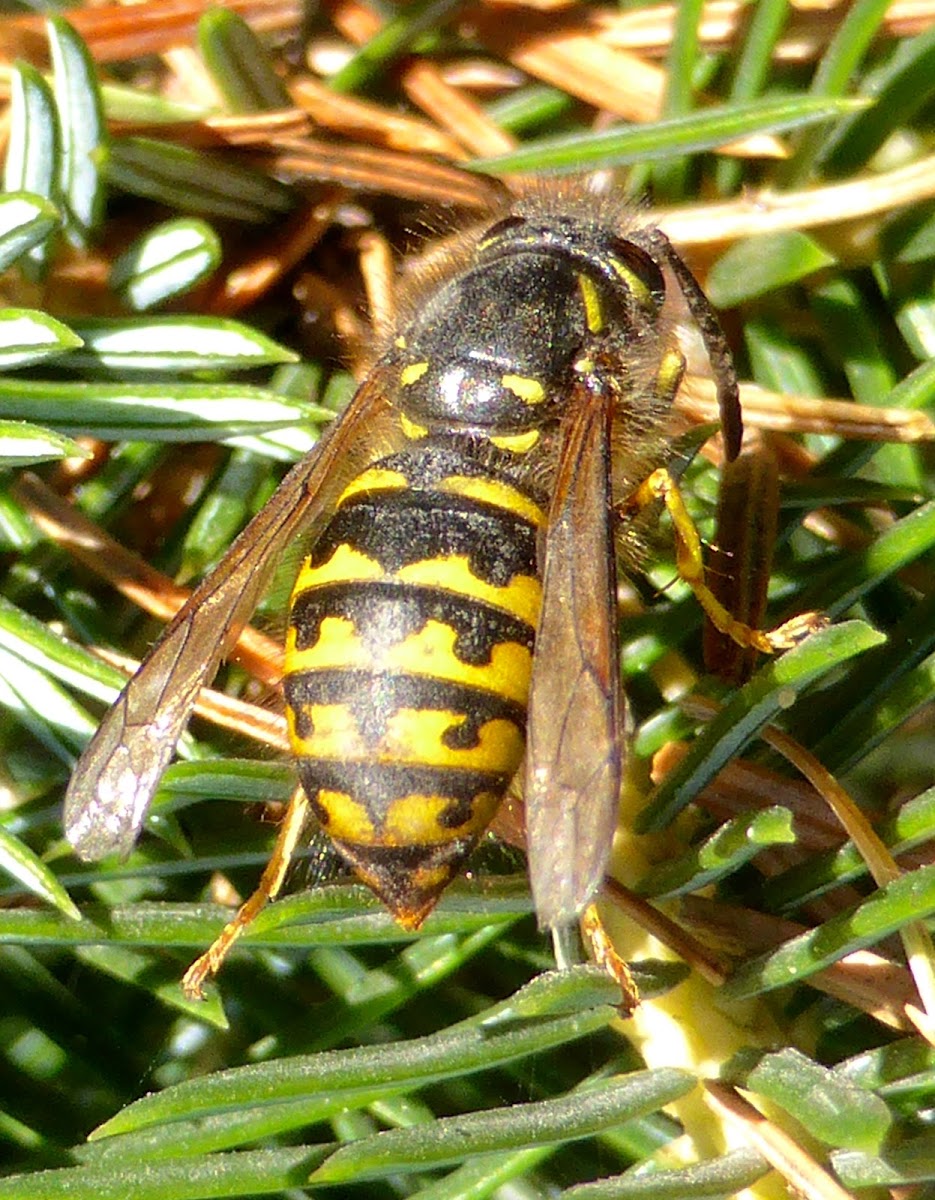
690, 562
602, 950
290, 831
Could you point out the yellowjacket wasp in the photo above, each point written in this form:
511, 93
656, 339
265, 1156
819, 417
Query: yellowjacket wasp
457, 609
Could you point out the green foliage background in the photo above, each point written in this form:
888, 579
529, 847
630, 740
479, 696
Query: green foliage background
336, 1054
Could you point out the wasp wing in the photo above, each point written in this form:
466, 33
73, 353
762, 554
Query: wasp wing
116, 777
576, 710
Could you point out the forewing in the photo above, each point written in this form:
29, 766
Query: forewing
115, 779
576, 714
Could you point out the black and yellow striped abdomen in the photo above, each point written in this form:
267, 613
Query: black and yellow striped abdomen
408, 663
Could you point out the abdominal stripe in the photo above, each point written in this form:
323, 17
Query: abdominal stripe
385, 613
374, 699
398, 528
378, 786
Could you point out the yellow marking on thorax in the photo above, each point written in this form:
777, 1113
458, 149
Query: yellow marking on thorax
669, 376
412, 373
344, 566
494, 491
374, 479
591, 299
529, 390
430, 652
516, 443
410, 429
522, 596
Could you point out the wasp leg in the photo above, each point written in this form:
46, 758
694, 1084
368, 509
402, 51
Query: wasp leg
271, 881
566, 946
590, 930
690, 562
602, 950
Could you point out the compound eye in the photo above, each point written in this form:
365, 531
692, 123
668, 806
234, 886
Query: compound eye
635, 261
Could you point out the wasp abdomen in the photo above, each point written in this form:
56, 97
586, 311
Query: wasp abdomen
408, 664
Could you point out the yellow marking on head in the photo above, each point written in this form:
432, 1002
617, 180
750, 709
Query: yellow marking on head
591, 298
529, 390
414, 736
494, 491
345, 565
635, 285
400, 342
410, 429
375, 479
522, 596
516, 443
412, 373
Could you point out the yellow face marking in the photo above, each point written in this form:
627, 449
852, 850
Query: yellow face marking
410, 429
430, 653
636, 286
412, 373
400, 342
530, 391
516, 443
376, 479
593, 309
522, 596
494, 491
345, 565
